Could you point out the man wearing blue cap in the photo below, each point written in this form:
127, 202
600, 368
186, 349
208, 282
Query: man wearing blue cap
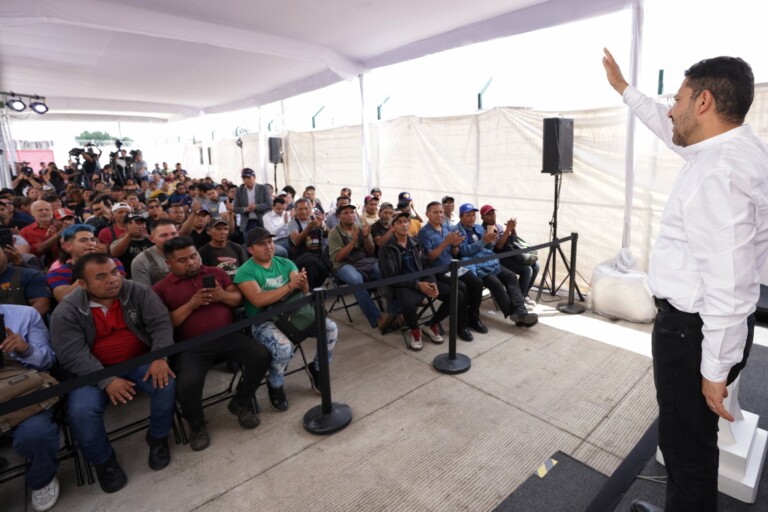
501, 282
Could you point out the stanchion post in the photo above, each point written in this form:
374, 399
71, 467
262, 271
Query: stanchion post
571, 307
453, 363
328, 417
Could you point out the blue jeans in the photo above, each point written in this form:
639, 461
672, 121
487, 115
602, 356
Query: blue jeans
86, 408
350, 275
37, 440
281, 348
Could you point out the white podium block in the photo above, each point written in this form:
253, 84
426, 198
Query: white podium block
743, 448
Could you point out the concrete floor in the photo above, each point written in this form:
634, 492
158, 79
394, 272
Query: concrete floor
419, 440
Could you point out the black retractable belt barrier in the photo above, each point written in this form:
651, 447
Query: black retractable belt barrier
328, 417
571, 307
453, 363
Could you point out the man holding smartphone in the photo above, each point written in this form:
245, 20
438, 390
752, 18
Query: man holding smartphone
200, 300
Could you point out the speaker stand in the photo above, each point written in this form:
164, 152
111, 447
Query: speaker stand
549, 272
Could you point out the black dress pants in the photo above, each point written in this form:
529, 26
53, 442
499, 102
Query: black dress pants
687, 427
191, 367
505, 290
471, 287
410, 298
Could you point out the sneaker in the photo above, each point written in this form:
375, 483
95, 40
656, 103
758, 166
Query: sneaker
529, 301
525, 319
277, 398
159, 453
314, 376
433, 333
414, 338
245, 416
110, 475
198, 437
45, 498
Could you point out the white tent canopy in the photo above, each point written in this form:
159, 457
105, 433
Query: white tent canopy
171, 59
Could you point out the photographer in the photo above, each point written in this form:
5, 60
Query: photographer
90, 164
25, 179
52, 177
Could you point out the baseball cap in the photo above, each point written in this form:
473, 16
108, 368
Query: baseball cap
396, 215
62, 213
344, 207
256, 235
135, 218
121, 206
204, 210
404, 196
446, 199
216, 221
485, 209
247, 173
385, 205
403, 203
467, 207
368, 199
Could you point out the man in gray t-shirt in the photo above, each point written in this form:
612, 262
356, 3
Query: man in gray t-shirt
149, 267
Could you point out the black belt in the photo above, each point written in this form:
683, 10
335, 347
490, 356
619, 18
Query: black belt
665, 306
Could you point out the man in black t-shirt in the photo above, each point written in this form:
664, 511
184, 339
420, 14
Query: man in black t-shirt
220, 252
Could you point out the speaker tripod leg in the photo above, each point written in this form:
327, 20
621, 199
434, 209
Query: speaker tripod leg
568, 271
544, 276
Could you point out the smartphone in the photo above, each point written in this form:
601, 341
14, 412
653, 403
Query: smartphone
209, 282
6, 237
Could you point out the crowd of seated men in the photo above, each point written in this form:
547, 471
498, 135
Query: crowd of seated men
95, 271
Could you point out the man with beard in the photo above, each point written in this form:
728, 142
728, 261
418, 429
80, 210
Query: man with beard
705, 266
306, 235
196, 309
381, 230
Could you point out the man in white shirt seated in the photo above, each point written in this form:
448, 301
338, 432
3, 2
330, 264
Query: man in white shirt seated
276, 222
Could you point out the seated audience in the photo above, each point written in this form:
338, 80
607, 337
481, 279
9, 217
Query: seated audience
501, 281
117, 228
276, 222
405, 206
220, 252
263, 280
132, 243
381, 230
42, 235
197, 310
306, 235
448, 207
522, 264
351, 251
441, 246
402, 255
21, 285
196, 224
27, 345
106, 321
149, 267
370, 210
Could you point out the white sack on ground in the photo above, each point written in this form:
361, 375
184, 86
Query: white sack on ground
620, 289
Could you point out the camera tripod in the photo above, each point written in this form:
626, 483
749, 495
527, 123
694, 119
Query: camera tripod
551, 283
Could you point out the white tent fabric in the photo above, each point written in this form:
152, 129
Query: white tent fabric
174, 59
494, 157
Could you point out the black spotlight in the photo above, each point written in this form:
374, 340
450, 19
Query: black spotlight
15, 104
39, 105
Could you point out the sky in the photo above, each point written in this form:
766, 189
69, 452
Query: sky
556, 69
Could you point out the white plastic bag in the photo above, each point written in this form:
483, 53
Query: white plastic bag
620, 289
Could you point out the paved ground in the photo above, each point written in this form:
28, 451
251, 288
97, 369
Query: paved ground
419, 440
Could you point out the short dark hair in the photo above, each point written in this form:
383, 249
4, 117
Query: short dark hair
176, 244
160, 222
102, 198
300, 201
309, 187
290, 190
278, 200
433, 203
343, 198
731, 82
97, 258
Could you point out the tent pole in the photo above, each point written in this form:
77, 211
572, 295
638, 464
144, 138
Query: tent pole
629, 150
365, 136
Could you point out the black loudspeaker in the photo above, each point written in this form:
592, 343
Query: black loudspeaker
557, 155
275, 150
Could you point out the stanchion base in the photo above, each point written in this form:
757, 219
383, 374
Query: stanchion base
445, 364
573, 309
315, 422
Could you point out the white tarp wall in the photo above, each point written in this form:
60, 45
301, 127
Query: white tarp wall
493, 157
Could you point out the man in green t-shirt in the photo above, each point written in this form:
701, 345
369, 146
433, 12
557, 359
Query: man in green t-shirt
263, 280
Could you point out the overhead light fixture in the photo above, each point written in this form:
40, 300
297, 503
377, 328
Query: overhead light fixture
39, 105
15, 103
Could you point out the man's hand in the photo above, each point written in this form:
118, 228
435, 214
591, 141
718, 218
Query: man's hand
428, 289
613, 73
134, 229
490, 236
159, 371
217, 294
366, 229
304, 281
13, 255
201, 297
13, 342
120, 390
511, 225
295, 280
714, 393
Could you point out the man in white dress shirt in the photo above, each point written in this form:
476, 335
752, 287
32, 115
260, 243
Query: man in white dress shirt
704, 269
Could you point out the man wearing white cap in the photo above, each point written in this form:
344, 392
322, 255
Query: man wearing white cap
118, 228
